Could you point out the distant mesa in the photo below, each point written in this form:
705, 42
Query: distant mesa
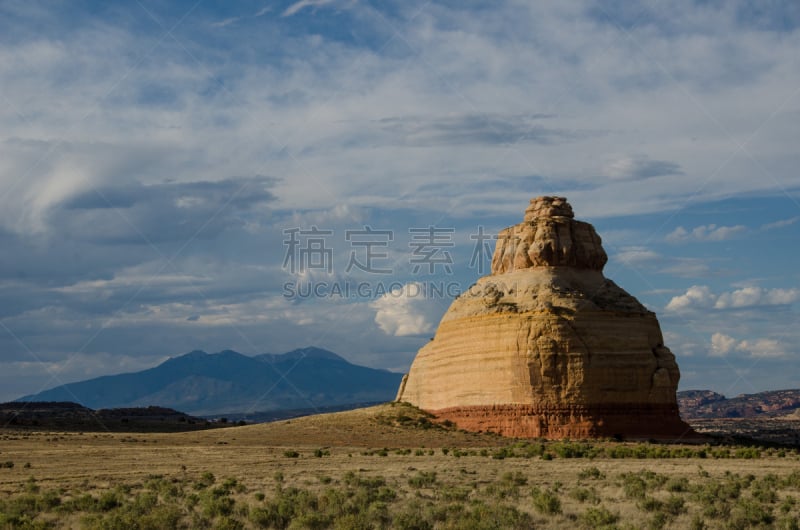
68, 416
705, 404
546, 346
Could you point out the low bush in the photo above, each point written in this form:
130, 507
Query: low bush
585, 495
422, 479
545, 501
598, 517
591, 473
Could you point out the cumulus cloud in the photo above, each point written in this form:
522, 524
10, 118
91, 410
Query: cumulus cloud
640, 167
723, 345
701, 297
756, 296
709, 232
763, 348
406, 311
695, 296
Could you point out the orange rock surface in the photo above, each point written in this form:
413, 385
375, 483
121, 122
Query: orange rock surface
546, 346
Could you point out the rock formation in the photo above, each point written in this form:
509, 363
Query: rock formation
546, 346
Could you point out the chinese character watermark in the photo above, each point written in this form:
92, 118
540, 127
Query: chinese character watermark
482, 251
314, 255
429, 246
368, 239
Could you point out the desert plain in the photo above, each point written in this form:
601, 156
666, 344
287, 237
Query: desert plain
389, 466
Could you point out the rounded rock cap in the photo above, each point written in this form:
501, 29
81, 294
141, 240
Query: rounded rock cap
548, 206
548, 237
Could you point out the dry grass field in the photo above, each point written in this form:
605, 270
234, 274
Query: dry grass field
384, 467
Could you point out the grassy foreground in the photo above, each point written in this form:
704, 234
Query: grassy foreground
384, 467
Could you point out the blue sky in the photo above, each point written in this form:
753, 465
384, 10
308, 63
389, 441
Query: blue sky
154, 155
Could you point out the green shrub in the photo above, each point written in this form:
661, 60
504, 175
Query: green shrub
545, 501
502, 453
748, 514
450, 493
422, 479
226, 523
591, 473
792, 480
574, 450
517, 478
674, 505
412, 517
108, 501
697, 523
634, 487
205, 480
747, 452
598, 517
585, 495
658, 521
677, 484
650, 504
164, 516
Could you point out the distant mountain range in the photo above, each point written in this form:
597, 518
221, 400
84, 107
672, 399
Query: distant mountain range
309, 380
205, 384
705, 404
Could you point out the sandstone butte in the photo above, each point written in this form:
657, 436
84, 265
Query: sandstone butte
546, 346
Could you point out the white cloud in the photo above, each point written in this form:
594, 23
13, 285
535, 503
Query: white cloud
722, 345
225, 22
406, 311
763, 348
756, 296
701, 297
326, 98
640, 167
687, 267
710, 232
342, 119
780, 224
637, 255
297, 6
695, 296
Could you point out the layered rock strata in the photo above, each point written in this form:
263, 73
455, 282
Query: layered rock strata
546, 346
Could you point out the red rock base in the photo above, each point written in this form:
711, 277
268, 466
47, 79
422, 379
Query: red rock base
660, 422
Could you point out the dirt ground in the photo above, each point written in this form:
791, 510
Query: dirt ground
421, 463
